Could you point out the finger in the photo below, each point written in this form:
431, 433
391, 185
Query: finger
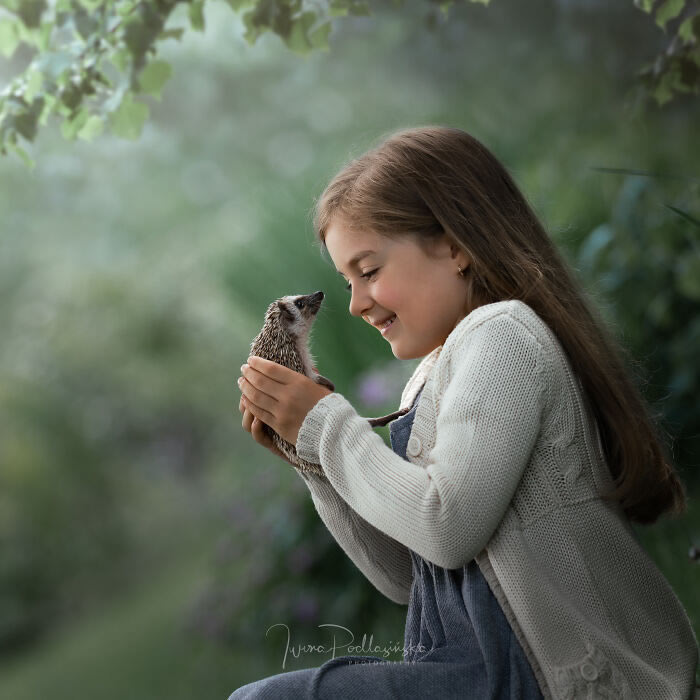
247, 420
273, 370
264, 439
258, 403
253, 387
257, 428
267, 441
261, 436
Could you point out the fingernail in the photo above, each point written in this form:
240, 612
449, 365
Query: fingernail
240, 381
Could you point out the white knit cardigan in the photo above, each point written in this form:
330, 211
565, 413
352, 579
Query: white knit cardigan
503, 465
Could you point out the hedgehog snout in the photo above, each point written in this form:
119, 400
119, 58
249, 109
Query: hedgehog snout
313, 302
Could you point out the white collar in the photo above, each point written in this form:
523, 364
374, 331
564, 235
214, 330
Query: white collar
417, 380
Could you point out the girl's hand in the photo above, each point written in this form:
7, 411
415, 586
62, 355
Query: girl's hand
255, 427
279, 396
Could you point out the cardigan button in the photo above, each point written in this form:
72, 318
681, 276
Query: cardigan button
413, 447
589, 671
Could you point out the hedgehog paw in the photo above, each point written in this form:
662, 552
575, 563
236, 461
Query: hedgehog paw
320, 379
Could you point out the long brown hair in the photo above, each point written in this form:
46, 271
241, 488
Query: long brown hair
435, 180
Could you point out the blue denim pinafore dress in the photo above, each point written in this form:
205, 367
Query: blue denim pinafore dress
458, 644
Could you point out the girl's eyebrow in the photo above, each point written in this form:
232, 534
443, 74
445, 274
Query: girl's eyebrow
356, 259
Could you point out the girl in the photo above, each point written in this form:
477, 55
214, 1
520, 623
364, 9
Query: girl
502, 513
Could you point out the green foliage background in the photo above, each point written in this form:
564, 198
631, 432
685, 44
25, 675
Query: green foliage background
86, 61
147, 544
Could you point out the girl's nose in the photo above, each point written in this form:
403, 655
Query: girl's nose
359, 303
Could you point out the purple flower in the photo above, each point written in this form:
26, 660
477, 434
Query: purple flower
374, 389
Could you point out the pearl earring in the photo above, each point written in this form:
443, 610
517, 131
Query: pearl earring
460, 272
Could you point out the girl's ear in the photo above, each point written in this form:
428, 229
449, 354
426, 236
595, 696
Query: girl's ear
461, 258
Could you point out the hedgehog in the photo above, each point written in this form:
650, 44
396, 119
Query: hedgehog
284, 339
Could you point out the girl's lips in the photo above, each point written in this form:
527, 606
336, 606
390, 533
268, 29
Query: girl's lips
384, 331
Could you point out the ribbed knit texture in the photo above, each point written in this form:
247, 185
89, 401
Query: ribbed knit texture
457, 643
504, 463
453, 617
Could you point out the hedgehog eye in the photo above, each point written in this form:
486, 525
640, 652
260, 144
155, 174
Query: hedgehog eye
299, 304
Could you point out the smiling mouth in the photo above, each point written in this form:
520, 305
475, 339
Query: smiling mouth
385, 326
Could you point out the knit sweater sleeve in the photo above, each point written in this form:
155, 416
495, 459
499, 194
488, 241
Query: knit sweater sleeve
385, 562
489, 395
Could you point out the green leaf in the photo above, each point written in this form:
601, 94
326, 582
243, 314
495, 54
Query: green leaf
19, 151
124, 8
358, 8
644, 5
175, 33
684, 214
63, 109
34, 84
256, 20
30, 12
128, 119
663, 91
240, 4
49, 104
54, 63
196, 13
9, 37
319, 37
25, 123
141, 30
85, 24
483, 2
71, 127
44, 36
298, 39
71, 95
669, 10
111, 104
93, 127
92, 5
121, 59
154, 76
690, 29
341, 8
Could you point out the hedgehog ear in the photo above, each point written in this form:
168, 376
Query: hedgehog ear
286, 313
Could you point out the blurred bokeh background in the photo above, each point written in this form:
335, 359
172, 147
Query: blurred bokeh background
148, 547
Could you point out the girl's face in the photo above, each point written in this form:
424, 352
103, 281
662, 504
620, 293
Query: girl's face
425, 294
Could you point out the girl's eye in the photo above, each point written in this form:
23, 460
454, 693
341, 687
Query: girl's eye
366, 274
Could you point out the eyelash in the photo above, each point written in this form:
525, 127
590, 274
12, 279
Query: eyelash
348, 287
